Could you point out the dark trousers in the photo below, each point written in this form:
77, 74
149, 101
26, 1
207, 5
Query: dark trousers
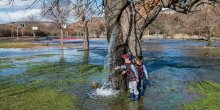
142, 84
141, 87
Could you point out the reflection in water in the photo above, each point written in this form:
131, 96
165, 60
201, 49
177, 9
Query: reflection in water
62, 59
209, 43
85, 57
138, 105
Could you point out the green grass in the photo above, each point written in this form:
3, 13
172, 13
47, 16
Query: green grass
43, 87
21, 58
6, 66
18, 44
5, 60
40, 99
27, 43
210, 96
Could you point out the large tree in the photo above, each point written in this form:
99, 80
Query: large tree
126, 21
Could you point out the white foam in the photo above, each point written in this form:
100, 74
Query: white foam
106, 92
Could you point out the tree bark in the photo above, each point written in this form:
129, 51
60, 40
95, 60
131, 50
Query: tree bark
126, 24
61, 36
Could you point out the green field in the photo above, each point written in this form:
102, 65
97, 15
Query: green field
209, 93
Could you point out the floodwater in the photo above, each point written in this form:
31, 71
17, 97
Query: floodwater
171, 64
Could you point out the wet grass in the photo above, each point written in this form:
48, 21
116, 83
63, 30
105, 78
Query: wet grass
210, 96
35, 56
45, 55
6, 66
44, 86
6, 63
5, 60
22, 43
41, 99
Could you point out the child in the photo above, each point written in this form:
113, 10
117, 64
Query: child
142, 72
132, 75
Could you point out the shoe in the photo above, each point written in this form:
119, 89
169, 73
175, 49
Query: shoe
132, 96
142, 92
135, 97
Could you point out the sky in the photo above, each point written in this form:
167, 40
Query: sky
17, 11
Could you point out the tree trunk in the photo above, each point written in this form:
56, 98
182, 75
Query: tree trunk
116, 49
85, 36
86, 57
61, 36
62, 59
126, 26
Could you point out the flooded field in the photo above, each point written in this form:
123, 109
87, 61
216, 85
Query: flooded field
65, 75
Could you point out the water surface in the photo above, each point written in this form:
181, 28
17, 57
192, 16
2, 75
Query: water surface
171, 64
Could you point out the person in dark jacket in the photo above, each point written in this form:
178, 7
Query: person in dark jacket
142, 73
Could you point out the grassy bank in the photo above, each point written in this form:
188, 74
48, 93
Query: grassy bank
44, 87
210, 96
28, 44
17, 44
34, 56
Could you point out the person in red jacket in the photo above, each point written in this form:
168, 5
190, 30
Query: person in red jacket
132, 75
142, 73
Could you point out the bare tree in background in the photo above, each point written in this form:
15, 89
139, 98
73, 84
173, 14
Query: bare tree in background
58, 11
85, 10
97, 27
32, 22
80, 12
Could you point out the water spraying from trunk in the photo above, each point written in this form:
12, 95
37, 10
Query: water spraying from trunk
108, 86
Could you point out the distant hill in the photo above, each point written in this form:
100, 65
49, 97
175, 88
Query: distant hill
204, 22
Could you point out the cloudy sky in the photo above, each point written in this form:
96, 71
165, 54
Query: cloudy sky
17, 11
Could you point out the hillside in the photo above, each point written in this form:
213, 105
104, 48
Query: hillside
204, 22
